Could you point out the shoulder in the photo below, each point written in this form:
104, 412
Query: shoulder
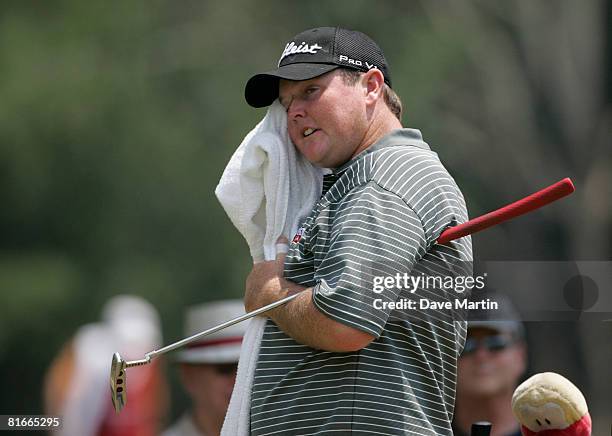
421, 181
393, 168
416, 175
401, 169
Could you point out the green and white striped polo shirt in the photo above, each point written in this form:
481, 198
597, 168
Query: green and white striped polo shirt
379, 215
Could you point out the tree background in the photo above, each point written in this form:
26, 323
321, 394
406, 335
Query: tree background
117, 119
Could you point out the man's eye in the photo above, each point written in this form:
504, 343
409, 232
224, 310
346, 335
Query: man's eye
283, 103
310, 90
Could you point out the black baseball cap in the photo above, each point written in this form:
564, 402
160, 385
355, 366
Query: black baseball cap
315, 52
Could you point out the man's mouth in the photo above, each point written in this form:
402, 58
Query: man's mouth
309, 131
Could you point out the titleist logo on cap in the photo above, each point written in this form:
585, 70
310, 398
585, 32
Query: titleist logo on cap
291, 48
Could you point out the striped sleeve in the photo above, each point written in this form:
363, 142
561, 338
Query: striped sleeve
375, 234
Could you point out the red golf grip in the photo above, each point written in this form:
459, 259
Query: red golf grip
532, 202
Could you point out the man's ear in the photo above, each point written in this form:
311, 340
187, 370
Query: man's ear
373, 82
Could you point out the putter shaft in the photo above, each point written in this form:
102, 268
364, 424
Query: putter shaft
152, 354
118, 377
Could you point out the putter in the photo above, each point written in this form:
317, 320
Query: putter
119, 366
532, 202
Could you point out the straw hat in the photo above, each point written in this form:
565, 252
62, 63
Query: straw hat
220, 347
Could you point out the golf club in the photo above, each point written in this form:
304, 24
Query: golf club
118, 365
534, 201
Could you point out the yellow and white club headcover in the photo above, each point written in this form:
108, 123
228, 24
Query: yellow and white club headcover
550, 404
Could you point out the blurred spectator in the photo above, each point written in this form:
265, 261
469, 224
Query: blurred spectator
493, 362
77, 383
208, 368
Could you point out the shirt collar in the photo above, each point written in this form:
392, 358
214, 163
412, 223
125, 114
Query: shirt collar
398, 137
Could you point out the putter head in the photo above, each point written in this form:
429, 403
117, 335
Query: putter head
117, 382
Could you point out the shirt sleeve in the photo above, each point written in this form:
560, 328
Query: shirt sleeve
374, 235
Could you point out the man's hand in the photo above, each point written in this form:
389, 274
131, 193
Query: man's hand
265, 283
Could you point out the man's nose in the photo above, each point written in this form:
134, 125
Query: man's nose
482, 353
295, 109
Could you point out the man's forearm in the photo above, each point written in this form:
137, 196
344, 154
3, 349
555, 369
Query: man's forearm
298, 318
307, 325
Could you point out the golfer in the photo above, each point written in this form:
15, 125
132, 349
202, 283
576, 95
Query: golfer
339, 359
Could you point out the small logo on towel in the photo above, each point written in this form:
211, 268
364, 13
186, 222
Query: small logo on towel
298, 235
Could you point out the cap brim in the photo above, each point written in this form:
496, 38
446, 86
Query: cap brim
262, 89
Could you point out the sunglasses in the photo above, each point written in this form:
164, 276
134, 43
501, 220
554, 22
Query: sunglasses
491, 343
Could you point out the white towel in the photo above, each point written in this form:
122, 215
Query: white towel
267, 189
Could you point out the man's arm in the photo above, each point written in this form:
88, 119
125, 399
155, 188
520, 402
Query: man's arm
299, 318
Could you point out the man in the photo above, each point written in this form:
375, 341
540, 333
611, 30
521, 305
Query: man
490, 368
208, 368
337, 359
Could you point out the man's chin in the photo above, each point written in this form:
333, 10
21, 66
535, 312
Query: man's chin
313, 158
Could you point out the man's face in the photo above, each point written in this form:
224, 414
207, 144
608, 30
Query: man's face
209, 386
326, 118
483, 372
